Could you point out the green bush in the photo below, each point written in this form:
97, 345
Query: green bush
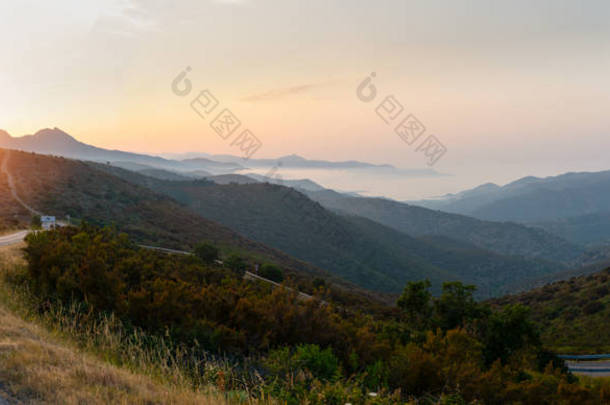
36, 222
321, 363
207, 252
236, 263
271, 272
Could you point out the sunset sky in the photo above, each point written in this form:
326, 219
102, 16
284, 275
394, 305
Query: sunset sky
511, 88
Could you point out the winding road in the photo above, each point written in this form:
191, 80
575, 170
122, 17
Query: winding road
590, 368
12, 238
594, 365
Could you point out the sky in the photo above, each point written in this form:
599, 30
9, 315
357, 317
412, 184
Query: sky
509, 88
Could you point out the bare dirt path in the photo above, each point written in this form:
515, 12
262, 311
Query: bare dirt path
11, 183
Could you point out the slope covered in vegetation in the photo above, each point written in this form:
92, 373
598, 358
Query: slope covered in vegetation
449, 349
590, 229
59, 186
50, 357
573, 313
362, 251
501, 237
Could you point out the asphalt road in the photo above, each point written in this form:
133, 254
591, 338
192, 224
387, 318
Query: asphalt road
590, 368
13, 238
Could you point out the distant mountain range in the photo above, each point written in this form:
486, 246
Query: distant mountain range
59, 143
575, 206
286, 162
531, 199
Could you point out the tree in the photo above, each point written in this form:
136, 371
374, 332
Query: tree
236, 263
271, 272
507, 332
319, 283
456, 305
321, 363
207, 252
36, 222
415, 301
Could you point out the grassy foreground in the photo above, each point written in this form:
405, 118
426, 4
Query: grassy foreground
40, 364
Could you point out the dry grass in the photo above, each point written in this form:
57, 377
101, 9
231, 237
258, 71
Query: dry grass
11, 255
37, 365
35, 369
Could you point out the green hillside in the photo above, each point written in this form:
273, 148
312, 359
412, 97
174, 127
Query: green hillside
501, 237
362, 251
591, 229
59, 186
573, 314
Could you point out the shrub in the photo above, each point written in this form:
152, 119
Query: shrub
593, 307
321, 363
36, 222
236, 263
271, 272
207, 252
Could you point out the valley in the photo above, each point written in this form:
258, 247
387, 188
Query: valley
344, 254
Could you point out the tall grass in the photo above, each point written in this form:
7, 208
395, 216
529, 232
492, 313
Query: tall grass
109, 338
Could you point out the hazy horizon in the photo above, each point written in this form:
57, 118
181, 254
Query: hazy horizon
399, 183
511, 89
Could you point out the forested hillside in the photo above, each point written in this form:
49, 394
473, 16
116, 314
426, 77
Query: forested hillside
574, 314
591, 229
360, 250
58, 186
500, 237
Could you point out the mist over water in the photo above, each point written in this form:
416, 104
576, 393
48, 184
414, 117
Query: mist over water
421, 183
391, 183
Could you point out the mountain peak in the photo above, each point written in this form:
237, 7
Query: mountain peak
524, 181
488, 186
55, 134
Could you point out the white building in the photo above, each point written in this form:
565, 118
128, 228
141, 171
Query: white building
48, 222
